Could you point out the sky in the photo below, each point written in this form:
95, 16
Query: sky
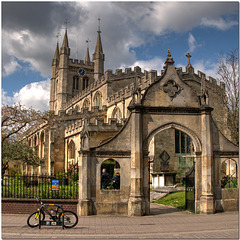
133, 34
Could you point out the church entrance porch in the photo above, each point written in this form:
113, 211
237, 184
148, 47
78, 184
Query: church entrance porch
168, 127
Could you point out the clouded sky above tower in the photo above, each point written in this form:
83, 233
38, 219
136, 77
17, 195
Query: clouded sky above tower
133, 33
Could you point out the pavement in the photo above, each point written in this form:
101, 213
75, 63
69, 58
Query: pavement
163, 223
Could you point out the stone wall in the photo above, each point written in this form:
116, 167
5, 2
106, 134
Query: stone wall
112, 201
27, 206
165, 141
227, 199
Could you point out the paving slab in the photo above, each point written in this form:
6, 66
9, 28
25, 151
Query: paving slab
163, 223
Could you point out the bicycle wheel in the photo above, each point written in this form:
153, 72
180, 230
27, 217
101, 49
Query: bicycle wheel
33, 219
70, 219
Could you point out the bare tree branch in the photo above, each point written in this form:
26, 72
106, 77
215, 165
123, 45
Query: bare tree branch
229, 75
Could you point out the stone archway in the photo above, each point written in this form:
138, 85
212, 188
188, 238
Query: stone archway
194, 137
167, 166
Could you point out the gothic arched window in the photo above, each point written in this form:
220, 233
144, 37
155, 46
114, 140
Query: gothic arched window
117, 113
110, 178
71, 152
75, 82
85, 82
76, 108
183, 143
42, 145
98, 100
229, 174
86, 103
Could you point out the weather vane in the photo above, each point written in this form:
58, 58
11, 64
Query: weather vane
66, 22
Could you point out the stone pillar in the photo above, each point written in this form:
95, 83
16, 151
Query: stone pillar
146, 177
207, 203
50, 164
84, 207
136, 203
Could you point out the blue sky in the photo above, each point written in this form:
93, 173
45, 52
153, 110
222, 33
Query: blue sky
133, 33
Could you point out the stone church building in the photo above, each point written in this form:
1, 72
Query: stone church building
147, 127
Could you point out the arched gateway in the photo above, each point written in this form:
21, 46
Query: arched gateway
168, 103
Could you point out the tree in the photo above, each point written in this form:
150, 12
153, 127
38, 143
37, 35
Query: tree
17, 122
18, 151
228, 74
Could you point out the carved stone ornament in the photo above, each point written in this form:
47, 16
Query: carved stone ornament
164, 156
171, 88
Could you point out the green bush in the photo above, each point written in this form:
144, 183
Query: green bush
61, 175
74, 176
231, 184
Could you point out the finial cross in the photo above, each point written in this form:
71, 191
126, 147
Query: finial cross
66, 22
57, 36
88, 41
99, 19
188, 56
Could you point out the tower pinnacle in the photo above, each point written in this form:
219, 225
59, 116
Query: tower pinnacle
87, 58
56, 55
65, 40
98, 56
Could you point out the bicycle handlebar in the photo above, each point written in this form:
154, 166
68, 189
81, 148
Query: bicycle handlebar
48, 204
38, 199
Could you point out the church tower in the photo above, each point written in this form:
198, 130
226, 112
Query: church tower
66, 80
62, 96
98, 57
55, 63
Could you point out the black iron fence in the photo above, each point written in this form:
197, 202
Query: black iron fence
59, 186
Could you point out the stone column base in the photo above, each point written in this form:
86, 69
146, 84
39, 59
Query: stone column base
207, 204
136, 206
147, 207
84, 207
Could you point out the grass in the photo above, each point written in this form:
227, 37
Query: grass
176, 199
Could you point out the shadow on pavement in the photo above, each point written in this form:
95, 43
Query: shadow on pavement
159, 209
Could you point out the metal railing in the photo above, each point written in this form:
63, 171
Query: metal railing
59, 186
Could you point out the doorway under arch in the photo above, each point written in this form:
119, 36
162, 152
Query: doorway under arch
172, 151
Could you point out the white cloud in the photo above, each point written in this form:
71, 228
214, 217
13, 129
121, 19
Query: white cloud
35, 95
153, 64
206, 67
27, 47
6, 100
219, 23
192, 43
164, 17
11, 66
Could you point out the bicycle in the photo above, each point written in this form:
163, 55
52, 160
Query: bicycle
55, 216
